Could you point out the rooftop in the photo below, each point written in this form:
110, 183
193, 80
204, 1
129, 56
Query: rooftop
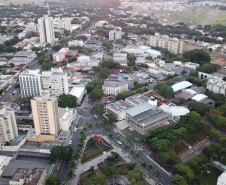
77, 91
119, 106
137, 99
108, 83
72, 52
181, 85
139, 109
199, 97
48, 145
24, 53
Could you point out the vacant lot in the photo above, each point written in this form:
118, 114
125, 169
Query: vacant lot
220, 19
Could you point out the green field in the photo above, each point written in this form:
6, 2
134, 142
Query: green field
220, 19
208, 178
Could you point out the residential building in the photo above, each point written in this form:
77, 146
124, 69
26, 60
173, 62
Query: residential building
45, 114
120, 57
55, 81
4, 161
5, 80
118, 109
64, 51
79, 93
31, 26
100, 23
172, 44
115, 35
58, 57
65, 23
146, 117
75, 43
8, 126
23, 176
191, 66
20, 60
66, 117
30, 83
114, 87
46, 29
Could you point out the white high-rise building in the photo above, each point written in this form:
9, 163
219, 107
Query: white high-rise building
30, 83
55, 81
115, 35
8, 126
65, 23
46, 29
45, 114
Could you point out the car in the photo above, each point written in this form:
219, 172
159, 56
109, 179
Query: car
119, 142
30, 115
95, 116
10, 86
75, 129
108, 101
3, 94
70, 142
18, 108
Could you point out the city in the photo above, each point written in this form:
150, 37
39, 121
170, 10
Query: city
119, 92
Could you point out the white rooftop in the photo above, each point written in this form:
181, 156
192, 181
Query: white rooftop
199, 97
191, 91
139, 109
181, 85
175, 110
77, 91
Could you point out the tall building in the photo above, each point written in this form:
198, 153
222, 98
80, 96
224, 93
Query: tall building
65, 23
8, 126
30, 83
174, 45
55, 81
115, 35
46, 29
45, 114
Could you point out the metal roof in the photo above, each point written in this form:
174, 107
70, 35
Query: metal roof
181, 85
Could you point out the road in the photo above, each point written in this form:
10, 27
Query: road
211, 18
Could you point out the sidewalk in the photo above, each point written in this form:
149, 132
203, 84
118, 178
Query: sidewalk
82, 168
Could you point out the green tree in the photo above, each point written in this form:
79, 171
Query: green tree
197, 56
96, 69
53, 180
98, 108
197, 107
63, 153
194, 73
131, 165
72, 59
209, 107
157, 173
144, 164
96, 94
90, 86
177, 179
135, 68
97, 179
104, 73
67, 100
135, 176
70, 174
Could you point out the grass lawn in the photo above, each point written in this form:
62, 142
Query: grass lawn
220, 19
179, 148
132, 135
208, 178
196, 138
213, 57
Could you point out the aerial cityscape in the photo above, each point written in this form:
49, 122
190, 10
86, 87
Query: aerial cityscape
115, 92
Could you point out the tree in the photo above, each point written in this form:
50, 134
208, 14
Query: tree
151, 167
144, 164
194, 73
157, 173
123, 95
90, 87
104, 73
197, 56
214, 132
98, 108
17, 86
70, 174
197, 107
73, 164
135, 68
91, 170
12, 65
135, 176
72, 59
131, 152
184, 72
110, 136
67, 100
96, 94
53, 180
131, 58
63, 153
98, 178
209, 107
204, 168
177, 179
137, 155
96, 69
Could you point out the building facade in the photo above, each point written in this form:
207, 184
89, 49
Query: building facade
66, 117
46, 29
8, 126
45, 114
30, 83
114, 87
65, 23
172, 44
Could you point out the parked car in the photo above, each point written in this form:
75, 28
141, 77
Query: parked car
95, 116
119, 142
70, 142
75, 129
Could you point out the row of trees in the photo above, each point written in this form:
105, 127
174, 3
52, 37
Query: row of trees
164, 89
196, 81
95, 89
218, 116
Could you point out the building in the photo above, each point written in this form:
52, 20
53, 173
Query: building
5, 80
177, 88
222, 179
31, 26
137, 99
66, 117
8, 126
64, 51
26, 54
23, 176
30, 83
45, 114
115, 35
146, 117
72, 53
191, 66
75, 43
202, 98
118, 109
134, 51
172, 44
55, 81
79, 93
65, 23
58, 57
217, 85
46, 29
4, 161
19, 60
120, 57
114, 87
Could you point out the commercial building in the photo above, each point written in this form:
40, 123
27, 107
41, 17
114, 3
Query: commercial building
71, 53
8, 126
65, 23
26, 54
64, 51
172, 44
191, 66
114, 87
177, 88
117, 57
4, 161
45, 114
115, 35
79, 93
58, 57
118, 109
66, 117
134, 51
146, 117
75, 43
137, 99
202, 98
20, 60
222, 179
23, 176
30, 83
46, 29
